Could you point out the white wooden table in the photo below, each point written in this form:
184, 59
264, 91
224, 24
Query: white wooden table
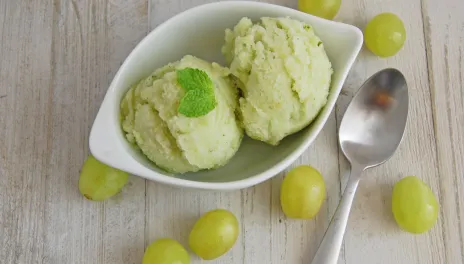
56, 61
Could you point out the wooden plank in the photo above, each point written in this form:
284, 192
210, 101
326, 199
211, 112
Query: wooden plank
25, 92
124, 236
171, 212
296, 241
372, 235
90, 40
444, 35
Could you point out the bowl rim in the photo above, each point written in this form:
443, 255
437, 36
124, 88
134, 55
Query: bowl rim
257, 178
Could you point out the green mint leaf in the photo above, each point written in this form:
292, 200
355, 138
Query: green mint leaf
194, 79
197, 103
199, 97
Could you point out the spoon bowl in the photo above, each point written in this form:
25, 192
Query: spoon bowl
370, 132
374, 122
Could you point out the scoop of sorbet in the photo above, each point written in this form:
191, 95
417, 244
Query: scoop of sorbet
174, 142
284, 73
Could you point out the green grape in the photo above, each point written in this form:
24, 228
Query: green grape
214, 234
322, 8
99, 181
302, 192
414, 206
166, 251
385, 35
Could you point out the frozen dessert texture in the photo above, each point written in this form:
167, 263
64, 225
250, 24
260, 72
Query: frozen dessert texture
284, 75
190, 114
175, 142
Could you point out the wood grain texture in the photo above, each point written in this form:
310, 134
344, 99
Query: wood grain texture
371, 228
25, 88
57, 60
171, 212
444, 34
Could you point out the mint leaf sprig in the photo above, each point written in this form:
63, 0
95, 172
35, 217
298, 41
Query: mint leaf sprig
199, 98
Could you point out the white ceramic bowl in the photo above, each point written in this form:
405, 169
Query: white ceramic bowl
200, 32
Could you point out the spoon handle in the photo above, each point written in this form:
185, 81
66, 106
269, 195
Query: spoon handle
329, 249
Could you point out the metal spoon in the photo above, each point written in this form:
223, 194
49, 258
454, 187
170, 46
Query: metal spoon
370, 132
